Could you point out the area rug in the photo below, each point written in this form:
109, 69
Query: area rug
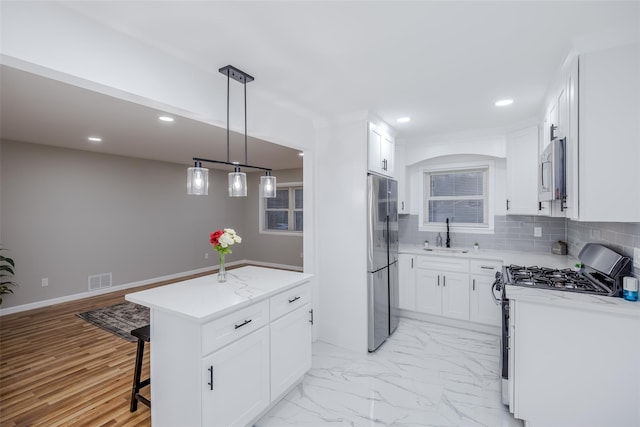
119, 319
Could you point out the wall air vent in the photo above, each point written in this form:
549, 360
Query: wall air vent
99, 281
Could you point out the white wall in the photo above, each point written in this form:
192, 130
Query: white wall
341, 184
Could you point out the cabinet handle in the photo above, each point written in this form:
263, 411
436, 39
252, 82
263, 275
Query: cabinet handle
438, 280
539, 206
311, 318
403, 206
485, 267
444, 280
246, 322
294, 300
210, 383
411, 262
507, 204
474, 284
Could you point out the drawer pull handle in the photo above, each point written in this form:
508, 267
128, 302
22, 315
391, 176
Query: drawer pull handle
243, 323
294, 300
311, 319
210, 383
474, 284
484, 267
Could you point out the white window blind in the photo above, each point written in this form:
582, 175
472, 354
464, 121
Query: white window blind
460, 195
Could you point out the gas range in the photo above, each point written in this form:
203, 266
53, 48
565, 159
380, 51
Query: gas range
590, 282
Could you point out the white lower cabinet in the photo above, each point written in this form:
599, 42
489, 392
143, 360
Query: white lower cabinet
443, 292
483, 308
290, 349
236, 381
452, 287
407, 282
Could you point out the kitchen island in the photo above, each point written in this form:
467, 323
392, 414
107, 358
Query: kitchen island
224, 353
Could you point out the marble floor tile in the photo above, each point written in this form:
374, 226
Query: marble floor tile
423, 375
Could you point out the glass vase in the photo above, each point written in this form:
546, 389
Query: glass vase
222, 273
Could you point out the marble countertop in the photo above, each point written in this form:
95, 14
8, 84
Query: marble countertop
203, 298
506, 257
547, 296
614, 305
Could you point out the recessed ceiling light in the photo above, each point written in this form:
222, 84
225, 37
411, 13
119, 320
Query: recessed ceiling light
166, 118
95, 139
403, 119
504, 102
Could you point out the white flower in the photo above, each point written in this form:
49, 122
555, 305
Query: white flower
226, 240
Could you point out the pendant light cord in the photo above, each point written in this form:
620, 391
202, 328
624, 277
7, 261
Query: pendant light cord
245, 122
228, 117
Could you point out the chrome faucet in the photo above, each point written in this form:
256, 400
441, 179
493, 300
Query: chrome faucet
448, 236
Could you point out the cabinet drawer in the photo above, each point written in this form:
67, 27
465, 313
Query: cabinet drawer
289, 300
229, 328
485, 268
443, 263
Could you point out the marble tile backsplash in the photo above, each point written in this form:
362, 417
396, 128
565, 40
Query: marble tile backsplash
511, 233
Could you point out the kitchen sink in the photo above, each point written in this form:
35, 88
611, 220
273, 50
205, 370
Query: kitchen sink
447, 250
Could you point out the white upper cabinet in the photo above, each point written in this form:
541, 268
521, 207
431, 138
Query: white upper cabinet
381, 151
400, 168
522, 172
609, 135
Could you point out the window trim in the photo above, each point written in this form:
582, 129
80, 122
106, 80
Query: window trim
489, 165
291, 210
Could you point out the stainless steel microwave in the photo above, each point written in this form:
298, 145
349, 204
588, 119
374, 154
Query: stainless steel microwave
552, 175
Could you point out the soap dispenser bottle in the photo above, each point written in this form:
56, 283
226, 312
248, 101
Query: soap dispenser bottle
439, 240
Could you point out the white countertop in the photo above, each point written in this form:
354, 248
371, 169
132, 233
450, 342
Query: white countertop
203, 298
614, 305
507, 257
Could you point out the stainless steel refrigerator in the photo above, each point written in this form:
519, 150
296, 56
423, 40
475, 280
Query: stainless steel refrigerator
382, 258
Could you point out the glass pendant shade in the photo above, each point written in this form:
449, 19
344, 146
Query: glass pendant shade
268, 185
198, 181
237, 184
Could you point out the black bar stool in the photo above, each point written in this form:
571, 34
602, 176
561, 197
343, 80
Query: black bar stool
144, 335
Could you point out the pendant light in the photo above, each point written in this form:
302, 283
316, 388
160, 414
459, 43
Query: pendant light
198, 177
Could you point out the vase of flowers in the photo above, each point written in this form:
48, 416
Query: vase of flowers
222, 240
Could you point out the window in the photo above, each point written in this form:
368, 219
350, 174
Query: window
459, 194
284, 213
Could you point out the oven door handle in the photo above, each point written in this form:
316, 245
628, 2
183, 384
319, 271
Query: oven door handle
495, 287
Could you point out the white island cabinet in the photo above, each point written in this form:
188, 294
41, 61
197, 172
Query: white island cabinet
223, 353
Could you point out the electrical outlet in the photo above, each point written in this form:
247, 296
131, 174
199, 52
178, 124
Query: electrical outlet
636, 257
537, 231
206, 255
45, 282
596, 234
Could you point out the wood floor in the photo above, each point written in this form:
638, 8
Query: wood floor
59, 370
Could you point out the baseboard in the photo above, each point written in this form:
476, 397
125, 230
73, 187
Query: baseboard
88, 294
462, 324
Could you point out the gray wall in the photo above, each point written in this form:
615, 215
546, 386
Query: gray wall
268, 247
68, 214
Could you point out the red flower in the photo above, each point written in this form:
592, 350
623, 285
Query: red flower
215, 236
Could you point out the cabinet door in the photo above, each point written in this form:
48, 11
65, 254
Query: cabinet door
400, 174
290, 349
483, 307
375, 142
455, 295
522, 172
428, 292
387, 152
235, 381
407, 285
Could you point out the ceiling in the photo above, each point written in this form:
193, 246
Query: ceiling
443, 64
